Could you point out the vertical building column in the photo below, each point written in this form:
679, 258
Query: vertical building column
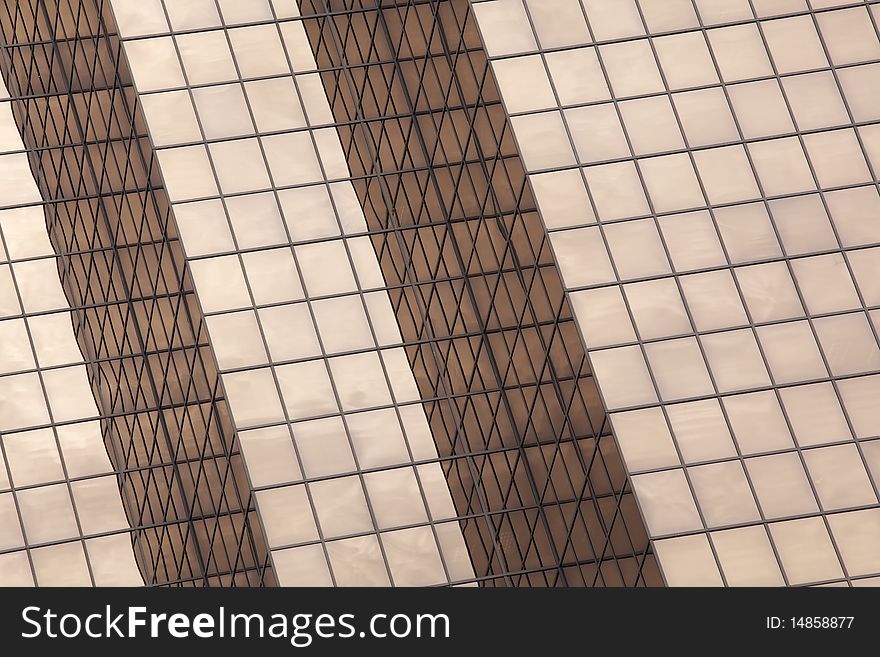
708, 174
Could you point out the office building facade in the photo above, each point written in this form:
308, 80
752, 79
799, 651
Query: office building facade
422, 292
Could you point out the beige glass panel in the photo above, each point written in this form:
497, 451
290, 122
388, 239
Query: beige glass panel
253, 397
47, 513
98, 505
657, 309
83, 447
154, 64
341, 506
705, 117
612, 19
848, 343
577, 76
504, 26
171, 118
206, 57
651, 125
854, 213
623, 376
726, 174
275, 104
524, 84
280, 322
220, 283
781, 166
582, 257
781, 485
672, 183
666, 502
616, 191
53, 339
21, 402
644, 439
8, 294
760, 109
377, 438
358, 562
865, 264
190, 14
297, 45
861, 86
747, 232
187, 173
607, 321
306, 389
701, 431
713, 12
849, 35
112, 561
15, 350
15, 570
323, 447
815, 100
292, 158
236, 340
596, 133
825, 284
769, 292
235, 11
360, 381
33, 457
203, 228
309, 212
805, 550
631, 68
688, 561
739, 52
270, 456
61, 565
17, 184
636, 249
856, 535
24, 233
139, 17
765, 8
686, 61
791, 352
815, 414
679, 369
734, 360
836, 158
712, 300
746, 557
287, 516
223, 111
840, 477
302, 566
543, 142
39, 285
342, 324
413, 557
757, 422
562, 199
803, 225
860, 402
258, 51
314, 99
70, 396
10, 526
692, 241
794, 44
395, 497
558, 23
723, 494
272, 275
256, 220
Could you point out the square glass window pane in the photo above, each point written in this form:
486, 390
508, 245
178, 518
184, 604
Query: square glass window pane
309, 212
236, 339
612, 19
562, 199
302, 566
577, 76
734, 360
413, 557
112, 561
840, 477
701, 431
781, 485
631, 68
582, 257
323, 447
686, 61
326, 268
333, 158
657, 309
705, 117
760, 109
865, 264
258, 51
651, 125
726, 174
187, 173
239, 165
360, 380
794, 44
70, 395
524, 84
39, 285
395, 497
382, 318
61, 565
275, 104
236, 11
220, 283
815, 414
623, 377
860, 401
747, 232
154, 64
314, 99
861, 86
616, 191
341, 507
33, 457
253, 397
679, 369
723, 494
47, 514
358, 562
837, 158
596, 133
781, 166
713, 12
559, 23
290, 332
668, 15
825, 284
688, 561
206, 57
769, 292
747, 557
504, 26
856, 535
366, 263
672, 183
791, 352
636, 249
53, 339
815, 100
270, 456
739, 52
16, 354
292, 159
803, 224
192, 14
306, 390
24, 233
377, 438
272, 276
222, 111
765, 8
757, 422
713, 300
298, 47
203, 227
666, 502
139, 17
805, 550
256, 220
82, 445
849, 344
856, 215
10, 526
342, 324
692, 241
602, 317
849, 35
171, 118
644, 439
543, 141
287, 516
98, 505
